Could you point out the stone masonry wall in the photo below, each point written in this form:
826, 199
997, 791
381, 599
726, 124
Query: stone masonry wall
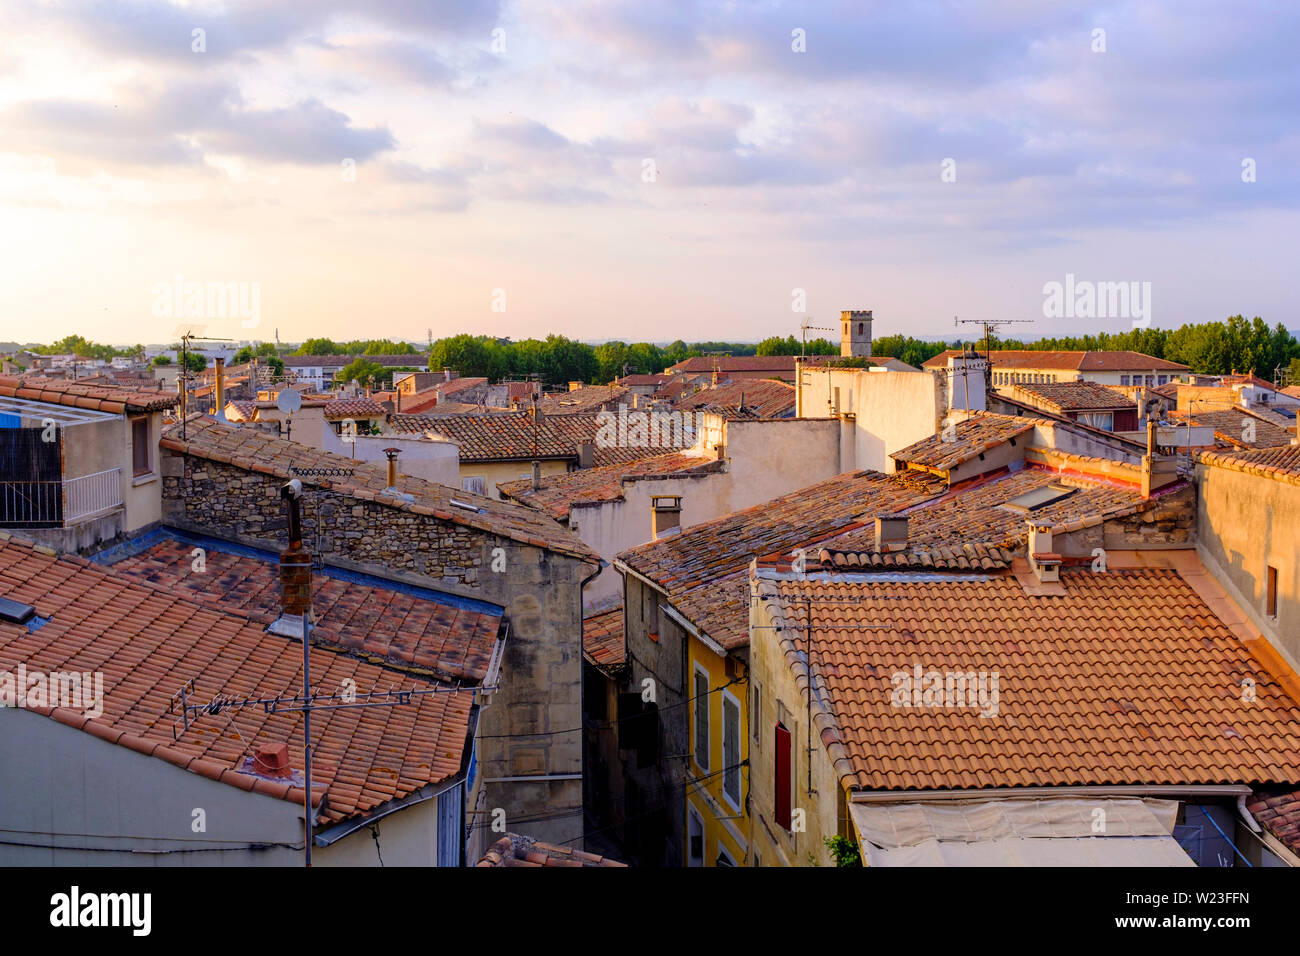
531, 724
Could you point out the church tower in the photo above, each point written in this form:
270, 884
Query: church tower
855, 333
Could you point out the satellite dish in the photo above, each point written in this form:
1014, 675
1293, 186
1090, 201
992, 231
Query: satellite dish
288, 401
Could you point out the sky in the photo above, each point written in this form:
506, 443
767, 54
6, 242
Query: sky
617, 169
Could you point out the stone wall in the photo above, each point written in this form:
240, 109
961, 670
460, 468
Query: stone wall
530, 726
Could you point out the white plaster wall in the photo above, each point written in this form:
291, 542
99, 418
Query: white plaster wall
422, 457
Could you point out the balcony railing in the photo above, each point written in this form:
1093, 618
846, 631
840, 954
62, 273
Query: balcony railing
55, 504
91, 494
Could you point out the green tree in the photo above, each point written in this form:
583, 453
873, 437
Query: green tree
362, 372
319, 347
464, 353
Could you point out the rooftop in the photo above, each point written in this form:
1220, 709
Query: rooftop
1118, 361
967, 440
602, 639
515, 850
387, 623
103, 398
253, 450
1281, 463
763, 398
1233, 427
148, 642
579, 401
1130, 677
557, 494
1074, 396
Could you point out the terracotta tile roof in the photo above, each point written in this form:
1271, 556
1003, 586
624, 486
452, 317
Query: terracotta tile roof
978, 514
148, 642
704, 568
558, 493
630, 380
255, 451
104, 398
341, 408
245, 410
1277, 809
1292, 390
1165, 391
1281, 463
670, 390
936, 557
387, 623
1128, 677
1229, 426
589, 398
1118, 361
1073, 396
602, 639
585, 429
515, 850
764, 397
969, 439
457, 385
737, 363
482, 438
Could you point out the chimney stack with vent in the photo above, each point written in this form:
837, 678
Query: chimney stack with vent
665, 515
537, 475
1045, 562
891, 532
220, 414
295, 568
391, 454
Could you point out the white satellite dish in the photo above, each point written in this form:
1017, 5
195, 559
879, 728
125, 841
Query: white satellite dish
288, 401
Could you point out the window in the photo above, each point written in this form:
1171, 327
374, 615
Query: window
701, 718
731, 750
1162, 379
695, 838
783, 781
140, 457
1123, 379
475, 484
756, 716
724, 858
1271, 597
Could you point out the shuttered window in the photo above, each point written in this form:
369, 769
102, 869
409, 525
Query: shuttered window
782, 785
731, 750
702, 720
140, 446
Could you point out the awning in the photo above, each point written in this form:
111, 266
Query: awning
1113, 831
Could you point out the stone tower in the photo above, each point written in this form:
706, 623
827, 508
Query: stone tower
855, 333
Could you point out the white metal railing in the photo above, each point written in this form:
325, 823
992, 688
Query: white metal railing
30, 504
90, 494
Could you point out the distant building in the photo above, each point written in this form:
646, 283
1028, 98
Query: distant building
1011, 367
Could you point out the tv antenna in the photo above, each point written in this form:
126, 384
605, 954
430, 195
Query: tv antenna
989, 325
186, 339
804, 327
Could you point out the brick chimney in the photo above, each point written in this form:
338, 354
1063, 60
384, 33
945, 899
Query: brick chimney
295, 568
891, 532
537, 475
272, 760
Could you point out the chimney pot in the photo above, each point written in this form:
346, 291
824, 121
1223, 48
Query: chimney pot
391, 454
272, 760
537, 475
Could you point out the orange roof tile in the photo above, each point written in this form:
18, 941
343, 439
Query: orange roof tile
148, 642
1231, 428
967, 440
602, 639
1116, 361
558, 493
1277, 809
762, 397
1073, 396
1128, 678
341, 408
104, 398
388, 623
515, 850
582, 401
1281, 463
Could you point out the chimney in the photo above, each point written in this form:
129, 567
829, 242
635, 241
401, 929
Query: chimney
446, 374
586, 454
391, 454
891, 532
537, 475
295, 568
220, 395
272, 760
1045, 562
574, 386
665, 515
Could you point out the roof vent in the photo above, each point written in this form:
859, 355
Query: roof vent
467, 507
12, 612
272, 760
